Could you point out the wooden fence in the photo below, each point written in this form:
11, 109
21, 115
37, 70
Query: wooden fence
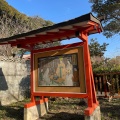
107, 83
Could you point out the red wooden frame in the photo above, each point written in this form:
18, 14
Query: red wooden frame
59, 94
82, 33
91, 94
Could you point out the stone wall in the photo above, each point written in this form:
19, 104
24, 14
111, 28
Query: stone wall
14, 81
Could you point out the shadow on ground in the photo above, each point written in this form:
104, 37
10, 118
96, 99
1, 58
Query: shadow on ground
69, 109
63, 116
11, 113
110, 109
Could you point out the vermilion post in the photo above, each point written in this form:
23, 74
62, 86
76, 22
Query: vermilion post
92, 81
87, 69
92, 100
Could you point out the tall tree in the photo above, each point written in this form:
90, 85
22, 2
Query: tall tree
96, 49
110, 10
13, 22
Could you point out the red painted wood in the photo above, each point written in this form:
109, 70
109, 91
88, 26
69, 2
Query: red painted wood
59, 47
92, 82
43, 38
92, 99
64, 33
50, 36
93, 89
87, 71
31, 104
90, 110
91, 94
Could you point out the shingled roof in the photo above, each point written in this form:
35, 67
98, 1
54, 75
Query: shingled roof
75, 24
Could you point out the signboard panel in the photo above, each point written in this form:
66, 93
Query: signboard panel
60, 71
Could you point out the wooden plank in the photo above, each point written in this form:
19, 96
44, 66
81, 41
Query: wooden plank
55, 94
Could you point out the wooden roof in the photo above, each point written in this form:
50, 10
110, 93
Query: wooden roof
57, 32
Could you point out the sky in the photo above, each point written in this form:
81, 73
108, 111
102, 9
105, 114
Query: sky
62, 10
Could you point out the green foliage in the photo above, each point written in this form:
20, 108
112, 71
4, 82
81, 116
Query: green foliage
11, 12
13, 22
106, 66
96, 49
99, 63
110, 10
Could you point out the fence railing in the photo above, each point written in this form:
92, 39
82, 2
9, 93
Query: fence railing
107, 83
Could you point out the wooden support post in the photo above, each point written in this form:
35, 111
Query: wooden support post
31, 77
105, 84
92, 100
100, 81
92, 81
117, 83
87, 74
96, 84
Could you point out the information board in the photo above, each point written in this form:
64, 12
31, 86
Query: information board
60, 71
